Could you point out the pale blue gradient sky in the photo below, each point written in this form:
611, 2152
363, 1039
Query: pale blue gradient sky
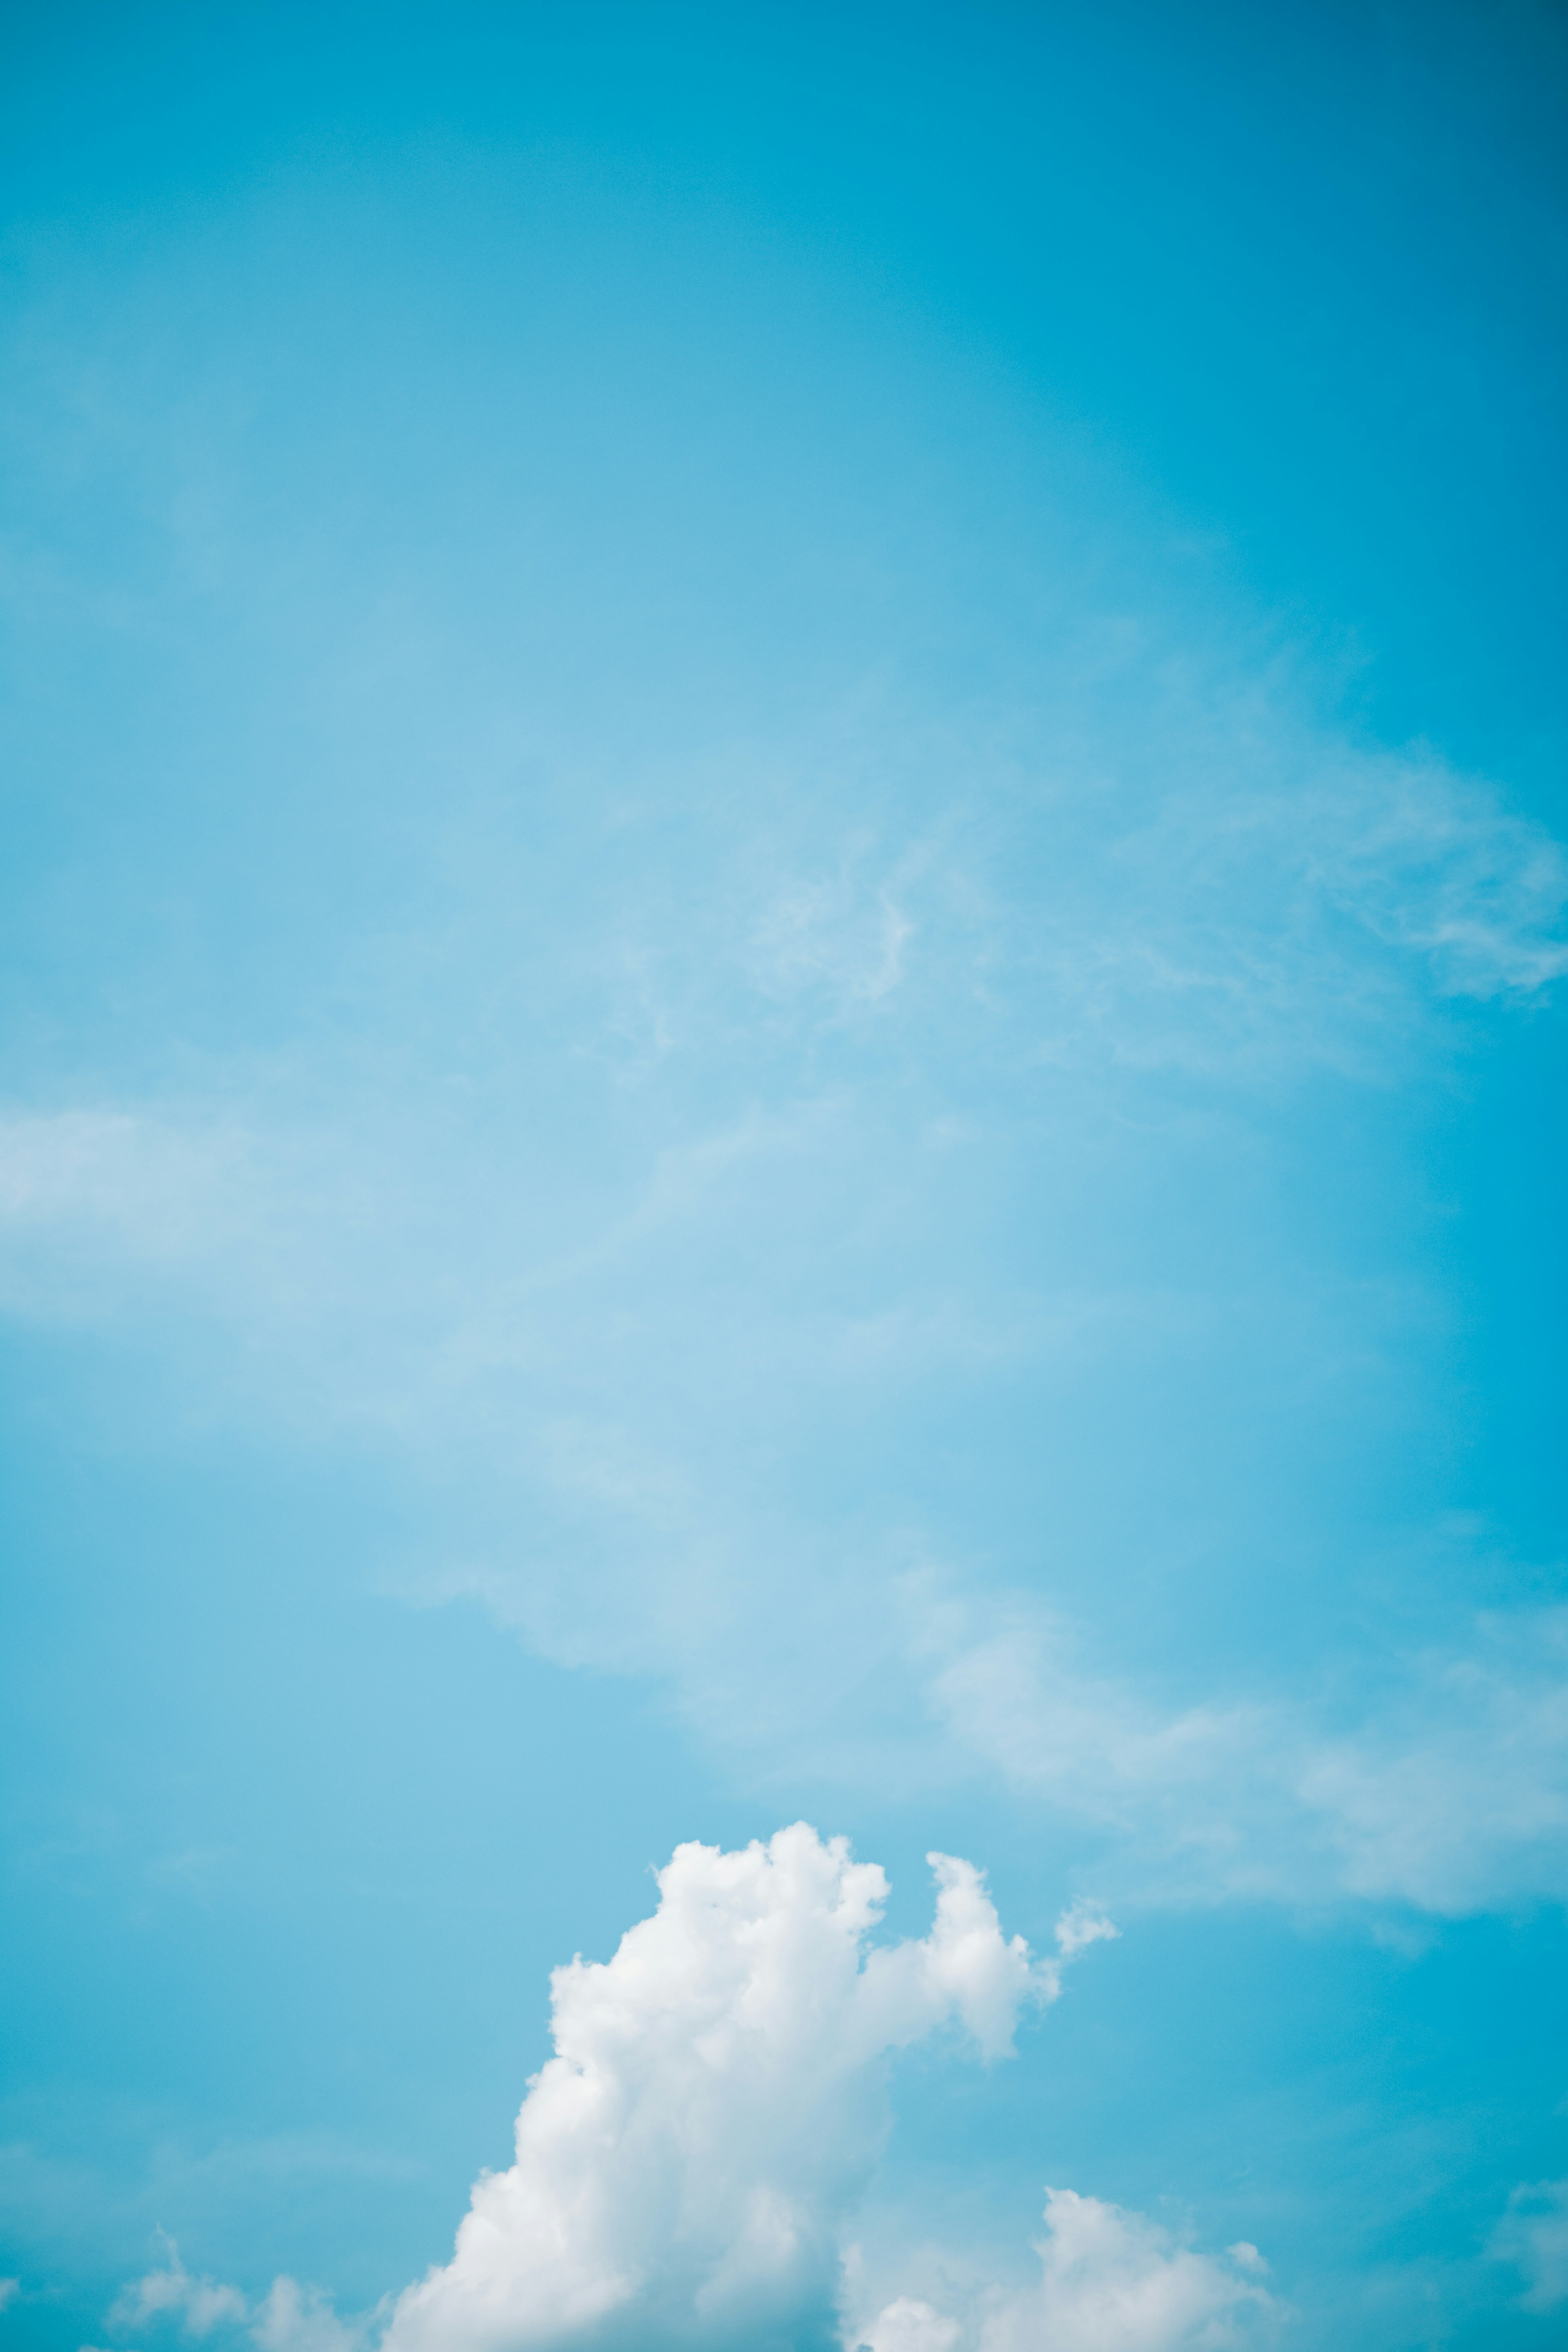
783, 1035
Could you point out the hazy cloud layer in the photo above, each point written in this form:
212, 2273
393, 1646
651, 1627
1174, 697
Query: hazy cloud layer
1450, 1795
1449, 1790
861, 1132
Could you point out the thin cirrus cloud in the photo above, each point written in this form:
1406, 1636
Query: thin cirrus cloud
1219, 898
1449, 1795
690, 2162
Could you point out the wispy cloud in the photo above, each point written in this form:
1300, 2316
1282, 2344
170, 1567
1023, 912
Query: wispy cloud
1534, 2236
1450, 1795
289, 2318
199, 2304
697, 1199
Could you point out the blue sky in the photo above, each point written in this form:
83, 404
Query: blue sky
782, 1043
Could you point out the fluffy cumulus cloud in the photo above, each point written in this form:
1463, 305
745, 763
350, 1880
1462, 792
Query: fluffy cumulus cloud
716, 2104
689, 2159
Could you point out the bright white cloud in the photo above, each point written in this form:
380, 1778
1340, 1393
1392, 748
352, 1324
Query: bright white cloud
1534, 2236
907, 2325
686, 2161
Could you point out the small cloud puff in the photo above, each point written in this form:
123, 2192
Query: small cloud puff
200, 2303
301, 2319
1534, 2236
291, 2318
1110, 2282
1115, 2281
911, 2325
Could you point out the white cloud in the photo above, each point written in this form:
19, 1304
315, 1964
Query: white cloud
10, 2288
907, 2325
1450, 1796
91, 1194
1110, 2281
200, 2304
686, 2160
301, 2319
1438, 863
1115, 2281
290, 2318
1457, 1795
1176, 871
1534, 2236
840, 938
